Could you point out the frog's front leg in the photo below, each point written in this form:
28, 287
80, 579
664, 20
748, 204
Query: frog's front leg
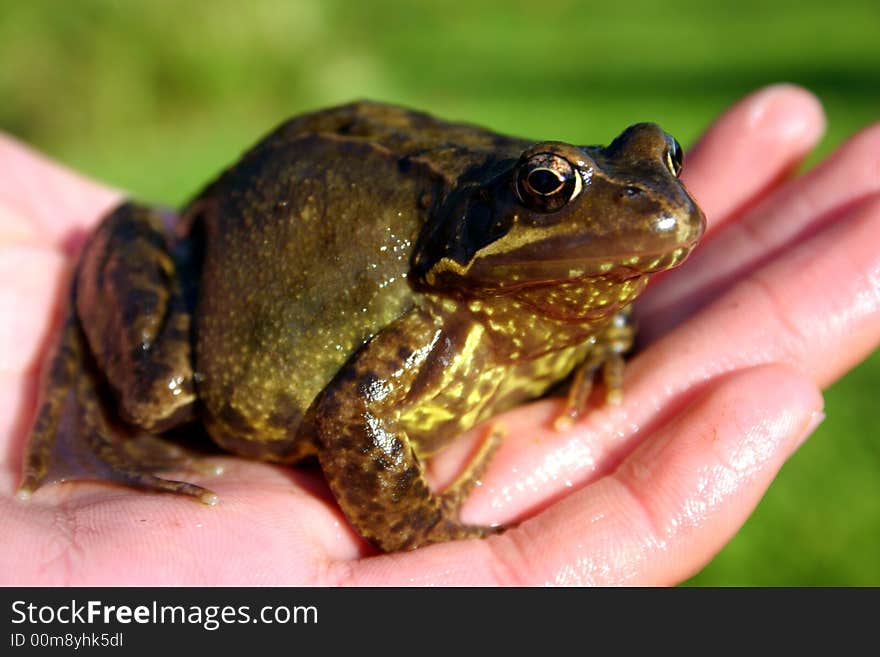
126, 328
401, 379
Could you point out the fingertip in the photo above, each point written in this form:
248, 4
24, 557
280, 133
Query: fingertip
781, 112
786, 112
780, 404
750, 146
816, 418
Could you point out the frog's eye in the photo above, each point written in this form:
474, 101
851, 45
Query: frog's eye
674, 156
546, 182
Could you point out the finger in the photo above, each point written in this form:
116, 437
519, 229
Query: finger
43, 202
791, 214
659, 517
750, 147
816, 307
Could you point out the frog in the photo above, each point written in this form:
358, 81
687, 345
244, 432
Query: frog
364, 285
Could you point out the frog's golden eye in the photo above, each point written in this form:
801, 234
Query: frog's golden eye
674, 156
546, 182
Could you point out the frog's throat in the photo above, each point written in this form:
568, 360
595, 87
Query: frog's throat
537, 319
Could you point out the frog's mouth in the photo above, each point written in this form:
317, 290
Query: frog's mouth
543, 254
511, 273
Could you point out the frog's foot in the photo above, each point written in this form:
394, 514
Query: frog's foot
450, 528
112, 456
457, 492
73, 439
582, 385
611, 344
70, 455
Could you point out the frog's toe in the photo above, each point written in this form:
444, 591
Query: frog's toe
611, 363
147, 481
453, 530
143, 455
138, 478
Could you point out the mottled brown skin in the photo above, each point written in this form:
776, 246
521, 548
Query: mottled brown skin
365, 284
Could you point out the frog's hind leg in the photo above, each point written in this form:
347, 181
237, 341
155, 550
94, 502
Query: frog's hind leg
125, 292
135, 318
73, 439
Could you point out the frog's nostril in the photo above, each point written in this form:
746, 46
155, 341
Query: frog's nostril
631, 191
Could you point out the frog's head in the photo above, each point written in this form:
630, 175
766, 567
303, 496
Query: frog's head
563, 212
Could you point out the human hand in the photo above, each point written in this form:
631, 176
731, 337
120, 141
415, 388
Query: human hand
782, 297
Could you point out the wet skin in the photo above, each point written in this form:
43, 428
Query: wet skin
365, 284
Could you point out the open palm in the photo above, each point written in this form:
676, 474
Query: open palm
782, 297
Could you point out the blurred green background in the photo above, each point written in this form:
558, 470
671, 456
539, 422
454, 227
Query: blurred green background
157, 96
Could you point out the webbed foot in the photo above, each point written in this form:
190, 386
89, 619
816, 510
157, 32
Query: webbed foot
75, 438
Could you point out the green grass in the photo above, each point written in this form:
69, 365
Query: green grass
157, 96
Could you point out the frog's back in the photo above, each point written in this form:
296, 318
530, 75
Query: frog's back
448, 149
307, 244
